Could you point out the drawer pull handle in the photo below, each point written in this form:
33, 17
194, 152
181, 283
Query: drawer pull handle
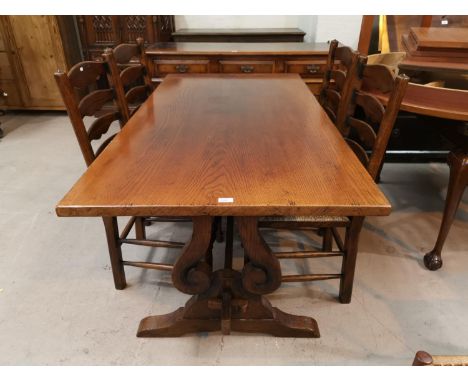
181, 68
312, 69
247, 68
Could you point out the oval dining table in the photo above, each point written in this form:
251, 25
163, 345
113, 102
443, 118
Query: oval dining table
452, 105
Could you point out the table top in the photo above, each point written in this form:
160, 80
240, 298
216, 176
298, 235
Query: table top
444, 65
237, 31
237, 48
434, 101
220, 144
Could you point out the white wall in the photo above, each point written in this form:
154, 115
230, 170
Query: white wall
318, 28
343, 28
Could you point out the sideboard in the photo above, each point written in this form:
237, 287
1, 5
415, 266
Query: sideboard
307, 59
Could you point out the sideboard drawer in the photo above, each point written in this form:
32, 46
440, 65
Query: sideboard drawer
246, 66
180, 66
309, 68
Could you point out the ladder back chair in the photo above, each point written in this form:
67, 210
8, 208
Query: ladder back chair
373, 131
87, 92
339, 80
128, 66
129, 62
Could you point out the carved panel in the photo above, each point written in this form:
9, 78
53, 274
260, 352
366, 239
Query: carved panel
100, 32
103, 29
135, 27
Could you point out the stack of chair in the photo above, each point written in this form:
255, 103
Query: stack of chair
102, 91
366, 125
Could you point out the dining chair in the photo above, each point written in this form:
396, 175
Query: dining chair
339, 80
128, 66
367, 135
89, 91
129, 62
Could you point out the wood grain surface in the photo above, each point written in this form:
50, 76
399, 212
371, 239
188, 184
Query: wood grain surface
262, 140
452, 38
237, 48
434, 102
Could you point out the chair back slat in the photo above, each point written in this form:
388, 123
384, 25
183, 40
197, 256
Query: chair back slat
137, 95
101, 125
331, 114
365, 131
378, 77
87, 73
339, 78
359, 151
371, 106
91, 103
333, 101
345, 55
132, 74
125, 53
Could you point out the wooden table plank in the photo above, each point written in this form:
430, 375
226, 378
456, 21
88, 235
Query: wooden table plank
262, 140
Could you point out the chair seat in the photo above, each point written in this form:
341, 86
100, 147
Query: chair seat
303, 221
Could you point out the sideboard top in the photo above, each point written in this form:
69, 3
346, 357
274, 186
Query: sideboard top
234, 48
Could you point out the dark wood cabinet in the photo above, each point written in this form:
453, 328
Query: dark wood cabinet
100, 32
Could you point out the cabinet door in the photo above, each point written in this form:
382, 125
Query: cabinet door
98, 33
37, 44
164, 26
137, 26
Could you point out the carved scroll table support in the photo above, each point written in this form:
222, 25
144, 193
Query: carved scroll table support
227, 300
458, 162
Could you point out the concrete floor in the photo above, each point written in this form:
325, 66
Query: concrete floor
58, 305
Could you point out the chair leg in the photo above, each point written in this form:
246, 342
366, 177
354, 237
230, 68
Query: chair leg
209, 251
115, 251
219, 229
228, 251
140, 231
327, 241
458, 181
349, 259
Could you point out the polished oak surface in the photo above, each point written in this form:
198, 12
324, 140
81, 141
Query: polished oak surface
262, 140
234, 48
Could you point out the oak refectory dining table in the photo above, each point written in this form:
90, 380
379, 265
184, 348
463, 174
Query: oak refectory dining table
240, 146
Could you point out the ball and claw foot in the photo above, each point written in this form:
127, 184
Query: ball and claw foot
433, 261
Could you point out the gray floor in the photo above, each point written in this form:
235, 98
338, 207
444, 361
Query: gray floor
58, 305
